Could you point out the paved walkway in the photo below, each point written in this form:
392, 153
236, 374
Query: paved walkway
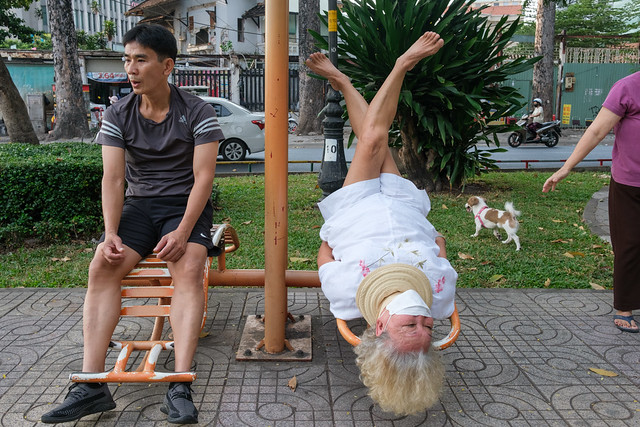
524, 358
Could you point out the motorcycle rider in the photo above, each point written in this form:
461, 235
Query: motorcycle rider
536, 117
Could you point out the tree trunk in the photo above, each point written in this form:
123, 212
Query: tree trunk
544, 44
311, 89
416, 164
71, 112
14, 111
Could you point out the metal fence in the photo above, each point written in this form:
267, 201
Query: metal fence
252, 89
216, 80
250, 86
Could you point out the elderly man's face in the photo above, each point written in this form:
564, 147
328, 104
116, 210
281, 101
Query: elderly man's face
407, 332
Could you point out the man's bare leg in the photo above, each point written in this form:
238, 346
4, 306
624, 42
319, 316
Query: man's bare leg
372, 155
187, 304
102, 304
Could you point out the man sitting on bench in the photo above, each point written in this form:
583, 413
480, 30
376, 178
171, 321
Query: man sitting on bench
163, 142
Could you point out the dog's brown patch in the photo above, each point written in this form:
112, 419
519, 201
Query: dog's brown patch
472, 201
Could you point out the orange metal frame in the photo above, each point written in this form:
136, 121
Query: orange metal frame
151, 279
447, 341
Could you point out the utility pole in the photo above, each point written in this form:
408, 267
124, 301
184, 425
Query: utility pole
333, 169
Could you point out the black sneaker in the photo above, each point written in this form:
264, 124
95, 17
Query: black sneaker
82, 399
178, 404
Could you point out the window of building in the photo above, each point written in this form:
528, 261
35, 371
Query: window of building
240, 29
212, 18
293, 27
202, 37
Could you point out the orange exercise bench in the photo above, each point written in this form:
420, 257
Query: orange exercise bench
151, 279
445, 342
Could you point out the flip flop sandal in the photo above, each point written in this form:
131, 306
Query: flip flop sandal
627, 319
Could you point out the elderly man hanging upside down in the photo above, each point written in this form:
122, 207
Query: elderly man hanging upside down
380, 258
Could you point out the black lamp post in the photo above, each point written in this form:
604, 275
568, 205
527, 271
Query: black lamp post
333, 169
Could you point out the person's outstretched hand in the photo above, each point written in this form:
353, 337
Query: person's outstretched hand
550, 184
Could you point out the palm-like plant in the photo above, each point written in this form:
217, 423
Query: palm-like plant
448, 98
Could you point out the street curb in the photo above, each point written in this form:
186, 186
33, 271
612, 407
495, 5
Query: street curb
596, 214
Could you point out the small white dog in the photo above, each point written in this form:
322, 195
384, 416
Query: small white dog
494, 218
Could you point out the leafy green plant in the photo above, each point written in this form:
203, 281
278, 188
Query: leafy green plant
109, 29
52, 192
448, 98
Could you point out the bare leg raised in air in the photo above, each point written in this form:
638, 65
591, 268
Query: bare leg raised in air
371, 123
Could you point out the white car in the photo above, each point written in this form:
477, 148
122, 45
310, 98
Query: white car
243, 130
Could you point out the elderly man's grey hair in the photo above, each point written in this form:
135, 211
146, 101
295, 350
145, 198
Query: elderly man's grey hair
403, 383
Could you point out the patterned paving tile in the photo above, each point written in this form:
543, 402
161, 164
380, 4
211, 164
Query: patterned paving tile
523, 359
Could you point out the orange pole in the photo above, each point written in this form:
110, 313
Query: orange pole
248, 277
276, 162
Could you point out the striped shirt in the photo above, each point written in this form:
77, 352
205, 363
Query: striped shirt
159, 156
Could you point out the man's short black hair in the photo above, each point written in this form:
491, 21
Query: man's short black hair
155, 37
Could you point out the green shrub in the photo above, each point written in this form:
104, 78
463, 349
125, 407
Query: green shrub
52, 192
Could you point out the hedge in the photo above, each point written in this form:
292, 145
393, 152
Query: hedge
51, 192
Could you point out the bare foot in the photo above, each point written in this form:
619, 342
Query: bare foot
321, 65
428, 44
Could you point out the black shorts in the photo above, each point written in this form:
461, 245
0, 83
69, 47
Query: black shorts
145, 220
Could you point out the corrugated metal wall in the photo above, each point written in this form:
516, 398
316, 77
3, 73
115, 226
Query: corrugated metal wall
592, 84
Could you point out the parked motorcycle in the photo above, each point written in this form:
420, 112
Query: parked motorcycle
549, 133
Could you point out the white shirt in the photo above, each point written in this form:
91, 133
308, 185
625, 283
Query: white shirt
540, 115
377, 222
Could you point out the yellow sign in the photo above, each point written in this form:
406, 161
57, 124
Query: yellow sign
333, 21
566, 113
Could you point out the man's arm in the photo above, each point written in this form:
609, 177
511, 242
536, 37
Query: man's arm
173, 245
113, 166
325, 254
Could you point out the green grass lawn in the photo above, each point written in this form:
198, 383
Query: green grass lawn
558, 250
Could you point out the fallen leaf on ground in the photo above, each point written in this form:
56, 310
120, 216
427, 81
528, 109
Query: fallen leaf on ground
486, 262
603, 372
559, 241
65, 259
496, 277
557, 220
568, 255
464, 256
246, 223
580, 254
87, 250
596, 247
547, 283
596, 286
316, 226
293, 383
297, 259
444, 206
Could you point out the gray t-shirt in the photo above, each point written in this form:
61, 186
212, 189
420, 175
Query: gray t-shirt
159, 156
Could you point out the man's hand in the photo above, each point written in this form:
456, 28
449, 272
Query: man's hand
172, 246
112, 249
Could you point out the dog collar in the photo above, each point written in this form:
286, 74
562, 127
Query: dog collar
478, 215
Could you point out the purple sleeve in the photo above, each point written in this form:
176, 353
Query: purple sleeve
617, 99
